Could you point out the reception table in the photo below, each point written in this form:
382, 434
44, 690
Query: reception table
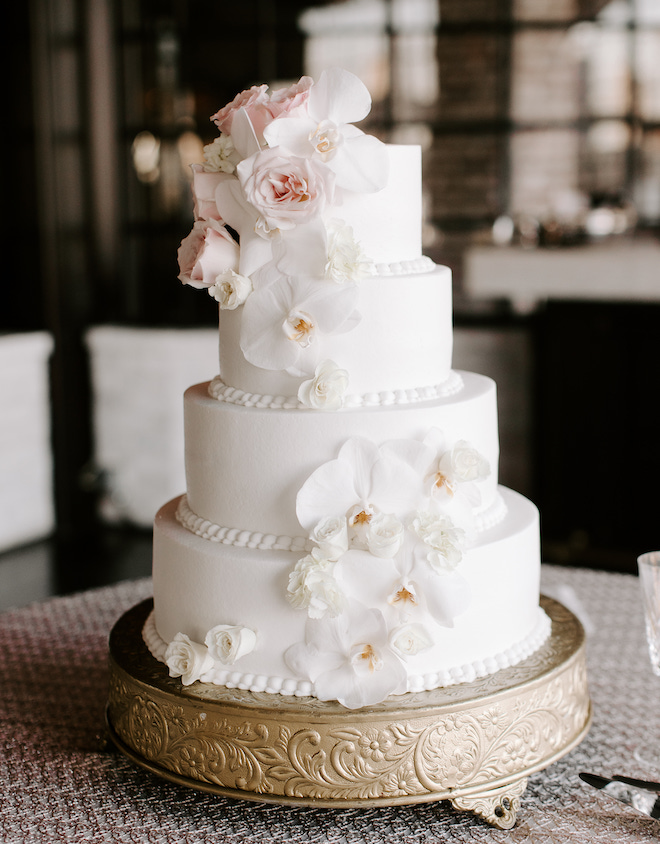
60, 782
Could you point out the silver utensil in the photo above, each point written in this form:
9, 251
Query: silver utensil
641, 795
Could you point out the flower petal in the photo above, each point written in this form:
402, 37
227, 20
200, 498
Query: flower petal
447, 596
263, 341
361, 165
327, 493
292, 133
361, 454
339, 96
243, 135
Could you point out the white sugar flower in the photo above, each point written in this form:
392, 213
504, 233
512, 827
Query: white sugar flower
359, 518
325, 391
335, 102
457, 469
220, 156
331, 534
187, 659
283, 321
467, 464
404, 598
348, 658
366, 479
227, 643
410, 639
384, 536
443, 538
346, 261
312, 586
230, 289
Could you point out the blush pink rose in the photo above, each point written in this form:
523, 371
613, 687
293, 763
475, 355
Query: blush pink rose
291, 101
208, 251
285, 190
204, 185
256, 103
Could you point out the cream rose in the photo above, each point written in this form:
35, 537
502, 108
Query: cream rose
285, 190
325, 391
208, 251
187, 659
230, 290
220, 156
332, 537
227, 643
384, 536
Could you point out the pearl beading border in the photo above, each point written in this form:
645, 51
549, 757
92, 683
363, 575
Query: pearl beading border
270, 542
220, 676
235, 536
233, 395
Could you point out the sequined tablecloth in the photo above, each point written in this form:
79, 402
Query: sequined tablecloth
56, 784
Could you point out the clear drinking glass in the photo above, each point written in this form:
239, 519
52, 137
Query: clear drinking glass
649, 579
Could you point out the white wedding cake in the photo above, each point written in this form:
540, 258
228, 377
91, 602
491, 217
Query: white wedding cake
343, 534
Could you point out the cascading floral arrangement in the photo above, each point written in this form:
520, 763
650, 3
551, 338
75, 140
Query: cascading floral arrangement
276, 178
390, 524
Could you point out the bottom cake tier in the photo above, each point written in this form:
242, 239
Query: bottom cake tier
202, 586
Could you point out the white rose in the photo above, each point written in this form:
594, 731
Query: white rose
384, 536
227, 643
445, 560
230, 289
332, 537
410, 639
346, 261
187, 659
325, 391
466, 464
443, 537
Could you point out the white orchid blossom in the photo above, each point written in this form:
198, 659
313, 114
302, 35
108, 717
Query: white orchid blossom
335, 102
348, 658
386, 479
283, 322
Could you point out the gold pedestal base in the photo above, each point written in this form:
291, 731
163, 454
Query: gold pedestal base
474, 744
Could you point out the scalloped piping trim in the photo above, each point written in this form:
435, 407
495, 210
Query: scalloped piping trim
417, 265
416, 682
270, 542
232, 395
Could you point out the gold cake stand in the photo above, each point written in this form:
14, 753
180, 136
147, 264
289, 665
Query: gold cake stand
473, 744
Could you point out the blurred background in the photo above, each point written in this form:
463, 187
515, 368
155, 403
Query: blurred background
539, 122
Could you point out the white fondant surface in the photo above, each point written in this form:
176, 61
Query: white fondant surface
199, 584
388, 223
403, 340
244, 466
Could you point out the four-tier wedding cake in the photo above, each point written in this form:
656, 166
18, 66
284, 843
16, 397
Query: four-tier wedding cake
342, 534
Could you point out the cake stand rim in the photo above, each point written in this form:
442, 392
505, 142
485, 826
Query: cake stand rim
210, 694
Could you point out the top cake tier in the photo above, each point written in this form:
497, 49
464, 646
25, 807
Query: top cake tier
308, 233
